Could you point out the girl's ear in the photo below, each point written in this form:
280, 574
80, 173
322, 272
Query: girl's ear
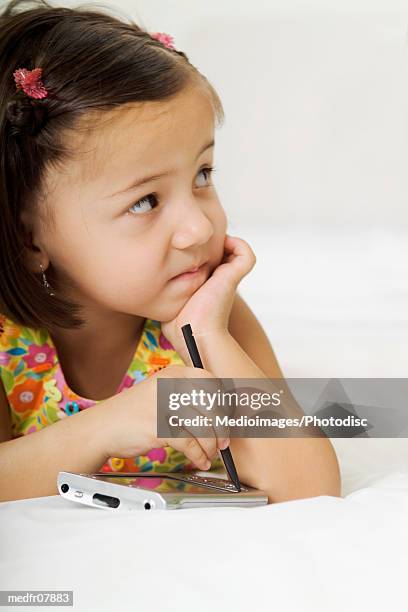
34, 255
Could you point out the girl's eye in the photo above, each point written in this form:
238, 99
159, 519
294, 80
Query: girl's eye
148, 200
208, 170
138, 207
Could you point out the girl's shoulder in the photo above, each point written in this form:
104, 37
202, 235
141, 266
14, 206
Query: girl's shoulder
22, 346
12, 334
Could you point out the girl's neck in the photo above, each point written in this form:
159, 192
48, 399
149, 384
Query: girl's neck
95, 358
109, 332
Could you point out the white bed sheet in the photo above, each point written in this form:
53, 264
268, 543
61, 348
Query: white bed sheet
322, 553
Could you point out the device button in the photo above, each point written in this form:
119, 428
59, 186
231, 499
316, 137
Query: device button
78, 493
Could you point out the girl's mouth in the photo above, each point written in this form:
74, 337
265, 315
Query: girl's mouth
187, 276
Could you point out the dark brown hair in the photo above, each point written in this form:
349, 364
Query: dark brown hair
91, 61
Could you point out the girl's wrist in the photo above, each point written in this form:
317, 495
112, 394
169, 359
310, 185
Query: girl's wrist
220, 331
180, 345
204, 338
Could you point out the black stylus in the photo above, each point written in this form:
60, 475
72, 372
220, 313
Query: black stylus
197, 363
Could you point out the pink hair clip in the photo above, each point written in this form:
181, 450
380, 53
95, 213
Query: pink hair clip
164, 38
29, 81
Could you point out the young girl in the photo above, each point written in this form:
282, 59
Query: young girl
107, 208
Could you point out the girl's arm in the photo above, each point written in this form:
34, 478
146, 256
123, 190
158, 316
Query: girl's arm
285, 468
29, 465
250, 335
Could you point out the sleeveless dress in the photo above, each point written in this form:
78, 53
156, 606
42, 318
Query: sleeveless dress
38, 394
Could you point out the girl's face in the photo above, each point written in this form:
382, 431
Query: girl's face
119, 242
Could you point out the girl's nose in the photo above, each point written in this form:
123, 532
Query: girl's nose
192, 227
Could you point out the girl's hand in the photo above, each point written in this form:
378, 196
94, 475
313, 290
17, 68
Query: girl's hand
128, 422
209, 308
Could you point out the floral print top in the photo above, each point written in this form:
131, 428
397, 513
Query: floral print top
38, 394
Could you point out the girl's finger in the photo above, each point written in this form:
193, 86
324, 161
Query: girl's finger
190, 446
238, 251
236, 245
192, 450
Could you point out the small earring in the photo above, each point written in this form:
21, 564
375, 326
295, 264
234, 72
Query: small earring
46, 284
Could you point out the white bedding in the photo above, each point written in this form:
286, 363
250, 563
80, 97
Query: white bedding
333, 306
322, 553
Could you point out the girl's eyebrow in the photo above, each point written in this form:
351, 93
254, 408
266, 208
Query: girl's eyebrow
147, 179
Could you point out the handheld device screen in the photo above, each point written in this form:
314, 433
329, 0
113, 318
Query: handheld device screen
167, 484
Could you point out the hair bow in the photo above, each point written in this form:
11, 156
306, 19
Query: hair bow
164, 38
29, 81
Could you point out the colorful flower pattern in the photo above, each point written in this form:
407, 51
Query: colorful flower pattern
38, 394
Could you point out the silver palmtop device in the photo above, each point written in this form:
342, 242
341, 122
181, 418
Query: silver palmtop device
155, 491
